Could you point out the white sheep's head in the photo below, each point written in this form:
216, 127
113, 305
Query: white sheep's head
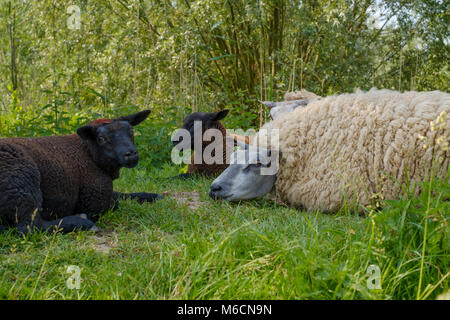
252, 173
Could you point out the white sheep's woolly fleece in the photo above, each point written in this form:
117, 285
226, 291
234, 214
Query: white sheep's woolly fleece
351, 147
301, 95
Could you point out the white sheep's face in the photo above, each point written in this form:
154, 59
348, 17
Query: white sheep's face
251, 174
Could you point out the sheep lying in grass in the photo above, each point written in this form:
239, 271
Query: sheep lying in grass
64, 182
351, 148
208, 120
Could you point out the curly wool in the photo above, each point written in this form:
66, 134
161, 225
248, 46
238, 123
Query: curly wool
352, 147
301, 95
68, 180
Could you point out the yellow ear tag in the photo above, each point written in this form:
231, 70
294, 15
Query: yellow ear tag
184, 169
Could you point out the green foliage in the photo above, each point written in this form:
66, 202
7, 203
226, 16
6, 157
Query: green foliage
178, 57
46, 120
414, 241
188, 246
197, 55
153, 137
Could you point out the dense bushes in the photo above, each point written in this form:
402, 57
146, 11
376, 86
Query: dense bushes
206, 55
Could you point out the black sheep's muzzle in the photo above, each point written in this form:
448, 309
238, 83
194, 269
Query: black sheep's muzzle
130, 159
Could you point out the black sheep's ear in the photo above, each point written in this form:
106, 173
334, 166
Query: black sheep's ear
87, 132
216, 116
135, 119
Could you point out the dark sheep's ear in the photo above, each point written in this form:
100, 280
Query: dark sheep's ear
87, 132
135, 119
219, 115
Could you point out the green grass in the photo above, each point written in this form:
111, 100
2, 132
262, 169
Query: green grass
252, 250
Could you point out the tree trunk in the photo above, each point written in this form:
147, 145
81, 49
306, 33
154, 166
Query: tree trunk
12, 29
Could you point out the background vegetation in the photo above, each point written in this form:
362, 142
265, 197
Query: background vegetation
179, 56
176, 57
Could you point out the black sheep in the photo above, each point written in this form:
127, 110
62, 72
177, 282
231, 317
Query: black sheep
209, 120
64, 182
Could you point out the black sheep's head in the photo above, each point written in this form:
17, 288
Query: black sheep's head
111, 141
201, 121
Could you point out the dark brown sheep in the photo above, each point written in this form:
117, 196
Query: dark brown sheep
64, 182
209, 120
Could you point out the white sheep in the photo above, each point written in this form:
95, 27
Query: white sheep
352, 148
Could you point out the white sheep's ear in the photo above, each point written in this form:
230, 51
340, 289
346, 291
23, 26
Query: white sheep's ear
135, 119
268, 104
87, 132
302, 103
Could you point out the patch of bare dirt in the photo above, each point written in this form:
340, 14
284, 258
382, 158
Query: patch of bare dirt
190, 199
103, 243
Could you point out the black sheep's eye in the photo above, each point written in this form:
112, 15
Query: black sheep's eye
101, 139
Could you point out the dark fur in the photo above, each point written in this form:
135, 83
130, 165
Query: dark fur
46, 182
209, 121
